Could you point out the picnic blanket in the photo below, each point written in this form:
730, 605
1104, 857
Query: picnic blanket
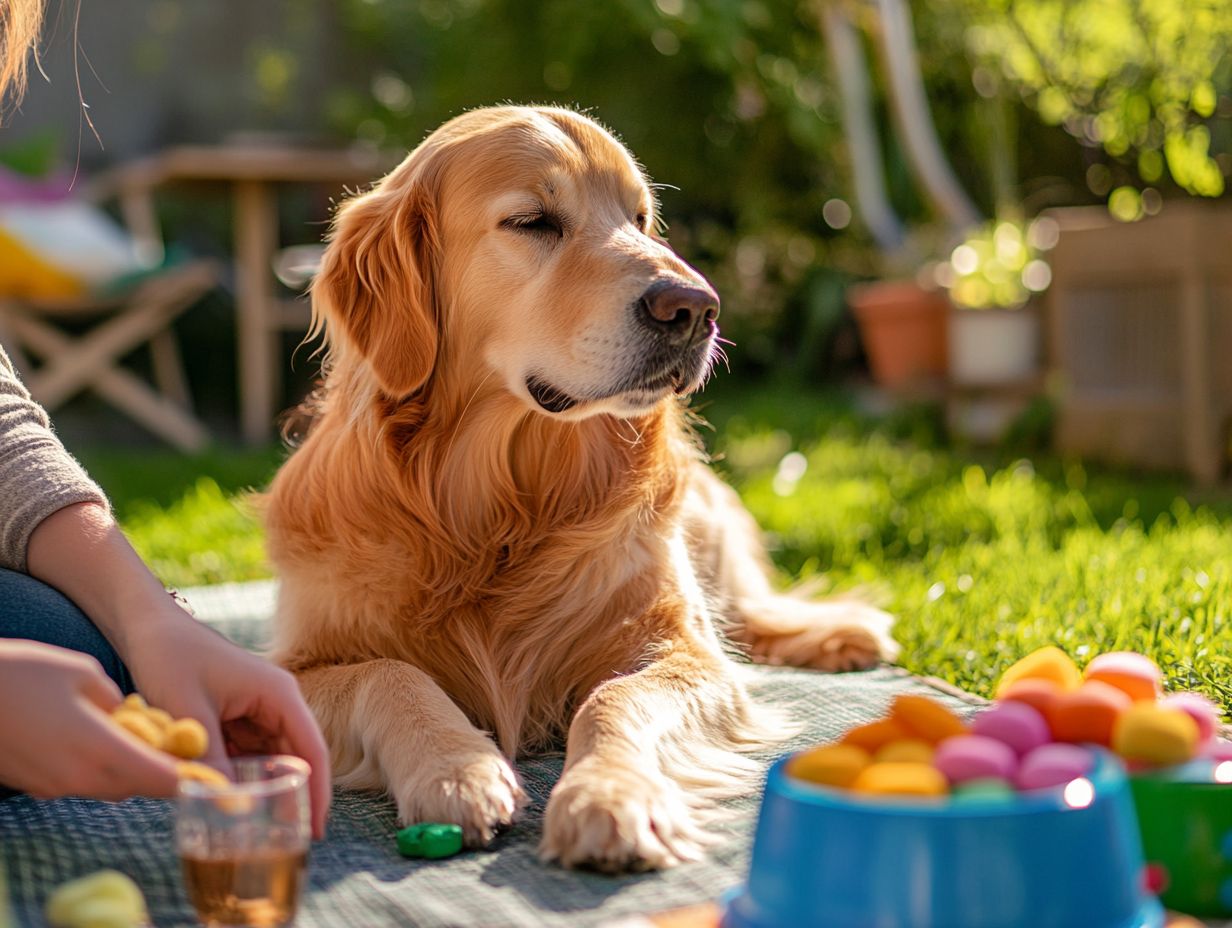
356, 876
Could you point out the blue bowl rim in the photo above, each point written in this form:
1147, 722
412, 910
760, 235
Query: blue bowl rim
1107, 776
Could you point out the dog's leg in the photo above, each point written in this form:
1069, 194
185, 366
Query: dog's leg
389, 726
776, 628
645, 753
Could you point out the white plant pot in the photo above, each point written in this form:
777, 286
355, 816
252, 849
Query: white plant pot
991, 347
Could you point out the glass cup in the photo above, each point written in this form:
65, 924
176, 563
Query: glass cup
244, 846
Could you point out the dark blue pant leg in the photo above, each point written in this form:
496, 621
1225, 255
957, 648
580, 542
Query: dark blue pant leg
32, 610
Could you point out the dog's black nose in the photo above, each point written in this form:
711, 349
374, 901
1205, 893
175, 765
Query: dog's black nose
676, 309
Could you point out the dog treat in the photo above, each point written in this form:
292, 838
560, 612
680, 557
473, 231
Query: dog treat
1156, 735
911, 750
430, 839
830, 765
1035, 692
873, 736
1054, 765
1136, 675
1088, 714
901, 779
1015, 724
1050, 663
185, 738
975, 757
926, 718
104, 899
135, 723
1204, 712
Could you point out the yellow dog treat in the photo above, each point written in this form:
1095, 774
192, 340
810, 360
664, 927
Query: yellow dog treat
184, 738
830, 765
1050, 663
926, 718
106, 899
910, 750
901, 779
1156, 735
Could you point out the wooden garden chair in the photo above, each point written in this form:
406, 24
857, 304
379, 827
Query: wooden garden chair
73, 360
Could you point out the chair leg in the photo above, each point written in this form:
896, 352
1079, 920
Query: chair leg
122, 389
169, 369
12, 345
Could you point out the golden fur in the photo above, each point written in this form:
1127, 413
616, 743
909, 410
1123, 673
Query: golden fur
467, 574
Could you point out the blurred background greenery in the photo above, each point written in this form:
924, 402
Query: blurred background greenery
733, 106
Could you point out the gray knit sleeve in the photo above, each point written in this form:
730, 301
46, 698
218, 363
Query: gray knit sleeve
37, 475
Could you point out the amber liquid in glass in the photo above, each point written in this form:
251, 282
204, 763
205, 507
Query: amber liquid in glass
258, 889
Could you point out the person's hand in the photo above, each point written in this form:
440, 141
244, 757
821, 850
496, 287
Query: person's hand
56, 738
247, 705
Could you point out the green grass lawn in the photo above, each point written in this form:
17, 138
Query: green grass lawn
982, 557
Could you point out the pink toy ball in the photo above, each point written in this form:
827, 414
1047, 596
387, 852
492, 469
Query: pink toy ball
1197, 707
975, 757
1015, 724
1054, 765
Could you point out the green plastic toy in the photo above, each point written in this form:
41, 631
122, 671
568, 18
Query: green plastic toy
430, 839
1185, 815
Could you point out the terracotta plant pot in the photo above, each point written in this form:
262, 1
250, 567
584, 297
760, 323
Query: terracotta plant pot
903, 327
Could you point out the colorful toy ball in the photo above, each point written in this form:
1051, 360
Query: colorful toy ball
1048, 663
926, 718
1155, 735
1035, 692
1204, 712
1088, 714
1136, 675
1015, 724
975, 757
1054, 765
834, 765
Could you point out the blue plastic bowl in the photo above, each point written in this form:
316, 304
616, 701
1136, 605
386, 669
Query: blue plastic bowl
1062, 858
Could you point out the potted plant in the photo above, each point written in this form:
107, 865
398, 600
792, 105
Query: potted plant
994, 326
903, 329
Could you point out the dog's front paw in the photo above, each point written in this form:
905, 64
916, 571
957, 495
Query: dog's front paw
613, 819
479, 792
834, 636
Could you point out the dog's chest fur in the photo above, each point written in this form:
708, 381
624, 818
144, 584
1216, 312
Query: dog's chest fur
517, 604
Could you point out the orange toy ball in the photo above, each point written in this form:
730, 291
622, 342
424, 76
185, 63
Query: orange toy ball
1136, 675
901, 779
1036, 692
873, 736
830, 764
1088, 714
1050, 663
926, 718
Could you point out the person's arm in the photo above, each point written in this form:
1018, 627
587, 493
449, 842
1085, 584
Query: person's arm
246, 703
37, 475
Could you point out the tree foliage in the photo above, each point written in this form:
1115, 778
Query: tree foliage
1143, 80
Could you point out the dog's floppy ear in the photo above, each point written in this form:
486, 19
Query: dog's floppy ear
376, 281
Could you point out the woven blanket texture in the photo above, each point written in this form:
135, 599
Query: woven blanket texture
356, 877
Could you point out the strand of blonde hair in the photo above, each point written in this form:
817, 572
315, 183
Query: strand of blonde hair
20, 21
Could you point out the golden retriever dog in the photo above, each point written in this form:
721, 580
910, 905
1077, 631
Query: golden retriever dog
500, 533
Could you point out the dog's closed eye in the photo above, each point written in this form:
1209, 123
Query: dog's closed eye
541, 222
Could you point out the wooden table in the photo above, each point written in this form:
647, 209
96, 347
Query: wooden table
253, 172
